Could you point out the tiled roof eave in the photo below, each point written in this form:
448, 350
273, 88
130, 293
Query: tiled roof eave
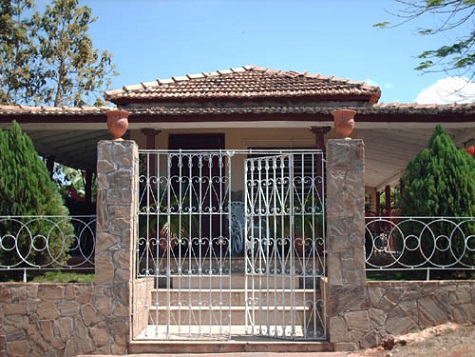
375, 110
467, 111
314, 96
21, 110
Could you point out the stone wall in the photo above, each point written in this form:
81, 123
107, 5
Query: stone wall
399, 307
140, 317
50, 320
394, 308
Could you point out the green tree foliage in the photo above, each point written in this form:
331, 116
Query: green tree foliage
19, 76
449, 16
439, 182
49, 58
26, 189
72, 64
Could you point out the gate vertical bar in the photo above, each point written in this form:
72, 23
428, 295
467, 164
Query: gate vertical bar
292, 242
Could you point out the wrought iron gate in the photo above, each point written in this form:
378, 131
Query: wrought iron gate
285, 246
184, 243
201, 285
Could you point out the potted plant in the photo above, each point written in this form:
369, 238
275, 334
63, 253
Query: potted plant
307, 227
166, 226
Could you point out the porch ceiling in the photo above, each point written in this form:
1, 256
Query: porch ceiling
388, 148
70, 145
387, 151
73, 148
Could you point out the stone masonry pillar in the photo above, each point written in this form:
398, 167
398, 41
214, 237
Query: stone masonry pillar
347, 297
117, 175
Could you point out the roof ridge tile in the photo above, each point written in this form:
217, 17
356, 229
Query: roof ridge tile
195, 76
133, 87
150, 84
238, 69
180, 78
327, 78
165, 81
259, 69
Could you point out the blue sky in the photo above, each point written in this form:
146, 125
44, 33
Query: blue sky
152, 39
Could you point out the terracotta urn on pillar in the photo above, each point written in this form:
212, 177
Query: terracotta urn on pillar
344, 121
117, 122
471, 150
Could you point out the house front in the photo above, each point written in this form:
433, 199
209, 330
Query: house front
243, 108
231, 204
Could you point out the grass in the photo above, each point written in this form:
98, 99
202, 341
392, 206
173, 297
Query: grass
409, 275
64, 277
41, 276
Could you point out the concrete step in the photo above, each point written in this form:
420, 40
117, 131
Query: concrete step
225, 315
232, 297
235, 281
235, 332
248, 344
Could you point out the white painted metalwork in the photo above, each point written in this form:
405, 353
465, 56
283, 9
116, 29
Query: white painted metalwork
285, 246
184, 242
420, 243
32, 243
195, 274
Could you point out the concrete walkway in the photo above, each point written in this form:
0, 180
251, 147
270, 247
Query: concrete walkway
236, 354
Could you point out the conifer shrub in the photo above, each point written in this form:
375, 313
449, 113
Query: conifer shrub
439, 182
27, 190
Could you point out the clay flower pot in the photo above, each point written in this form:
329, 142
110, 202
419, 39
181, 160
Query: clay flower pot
344, 121
117, 122
471, 150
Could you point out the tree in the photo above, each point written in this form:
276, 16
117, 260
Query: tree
439, 182
53, 53
19, 77
26, 189
457, 57
71, 64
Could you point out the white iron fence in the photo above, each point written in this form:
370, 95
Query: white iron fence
33, 243
420, 244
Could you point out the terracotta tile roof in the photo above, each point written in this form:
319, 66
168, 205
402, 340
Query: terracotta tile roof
248, 82
177, 109
51, 111
377, 109
415, 108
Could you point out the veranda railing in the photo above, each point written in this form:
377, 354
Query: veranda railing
32, 243
420, 244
